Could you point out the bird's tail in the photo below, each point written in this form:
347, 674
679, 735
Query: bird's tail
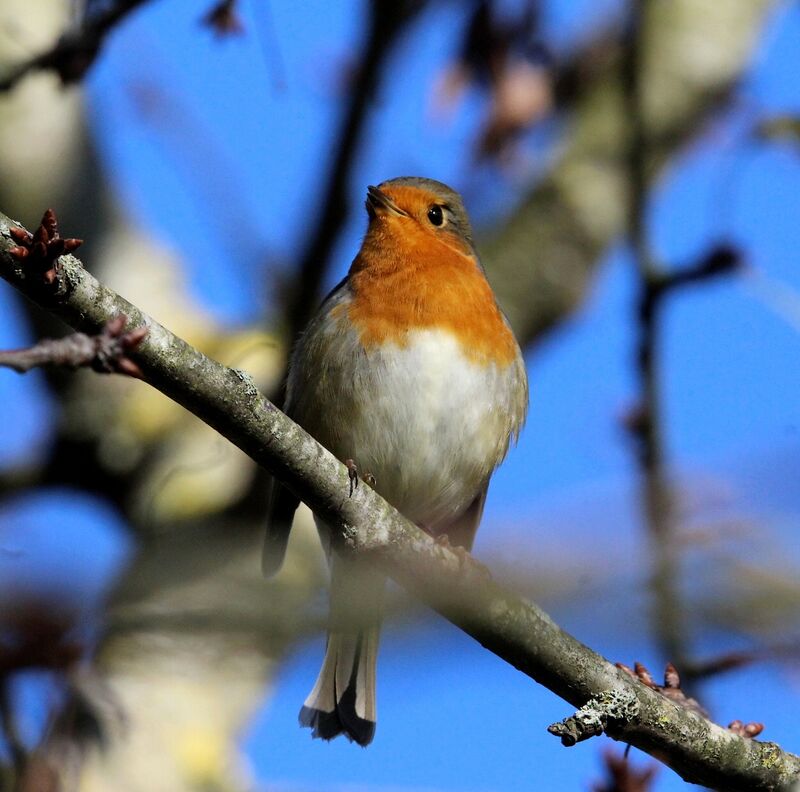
343, 698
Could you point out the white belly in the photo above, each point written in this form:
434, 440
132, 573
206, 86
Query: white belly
427, 422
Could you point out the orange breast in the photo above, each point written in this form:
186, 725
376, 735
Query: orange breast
408, 281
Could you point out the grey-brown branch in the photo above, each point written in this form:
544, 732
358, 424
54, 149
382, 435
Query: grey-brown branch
106, 352
513, 628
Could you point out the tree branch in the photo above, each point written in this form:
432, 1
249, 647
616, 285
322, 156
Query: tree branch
76, 50
541, 259
105, 352
514, 629
655, 282
668, 613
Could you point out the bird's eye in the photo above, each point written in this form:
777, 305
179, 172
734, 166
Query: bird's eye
435, 215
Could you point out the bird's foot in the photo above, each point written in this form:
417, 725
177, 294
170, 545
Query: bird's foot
352, 472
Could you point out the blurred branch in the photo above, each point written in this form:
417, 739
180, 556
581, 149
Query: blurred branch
784, 128
668, 622
386, 21
10, 732
35, 638
514, 629
541, 260
76, 50
723, 259
655, 284
190, 641
732, 661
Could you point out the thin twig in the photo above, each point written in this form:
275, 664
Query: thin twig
105, 352
732, 661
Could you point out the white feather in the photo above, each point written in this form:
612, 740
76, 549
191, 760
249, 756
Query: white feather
427, 421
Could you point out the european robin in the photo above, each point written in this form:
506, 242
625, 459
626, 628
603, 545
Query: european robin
409, 368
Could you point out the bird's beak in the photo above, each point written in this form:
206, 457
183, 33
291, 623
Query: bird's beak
379, 202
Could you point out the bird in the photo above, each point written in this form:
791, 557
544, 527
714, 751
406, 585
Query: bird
409, 372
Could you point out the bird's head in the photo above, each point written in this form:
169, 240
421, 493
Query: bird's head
422, 212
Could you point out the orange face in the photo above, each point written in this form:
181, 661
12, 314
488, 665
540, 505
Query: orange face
417, 269
421, 215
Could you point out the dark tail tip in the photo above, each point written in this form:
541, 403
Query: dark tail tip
327, 725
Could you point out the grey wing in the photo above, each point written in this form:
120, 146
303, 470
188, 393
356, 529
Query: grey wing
518, 406
462, 529
280, 515
282, 503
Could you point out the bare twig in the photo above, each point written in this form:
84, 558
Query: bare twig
38, 256
105, 352
514, 629
731, 661
42, 249
722, 259
75, 52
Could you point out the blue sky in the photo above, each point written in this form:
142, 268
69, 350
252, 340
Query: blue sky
452, 715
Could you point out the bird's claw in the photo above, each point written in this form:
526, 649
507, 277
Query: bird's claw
352, 473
